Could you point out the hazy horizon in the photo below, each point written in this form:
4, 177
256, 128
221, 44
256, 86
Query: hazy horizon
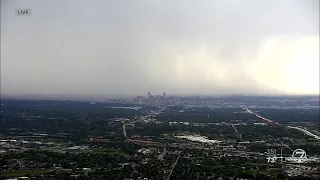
128, 97
124, 48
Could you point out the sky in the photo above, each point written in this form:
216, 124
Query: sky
187, 47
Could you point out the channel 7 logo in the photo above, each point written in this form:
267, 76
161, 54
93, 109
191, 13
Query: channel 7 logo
298, 156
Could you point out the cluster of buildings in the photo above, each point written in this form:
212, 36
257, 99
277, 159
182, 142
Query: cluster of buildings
13, 145
153, 98
198, 138
78, 149
300, 170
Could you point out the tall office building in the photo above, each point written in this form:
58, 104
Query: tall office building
149, 95
164, 95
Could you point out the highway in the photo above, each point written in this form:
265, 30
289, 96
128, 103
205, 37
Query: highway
273, 122
305, 132
316, 132
261, 117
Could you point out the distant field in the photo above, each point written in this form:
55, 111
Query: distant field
109, 151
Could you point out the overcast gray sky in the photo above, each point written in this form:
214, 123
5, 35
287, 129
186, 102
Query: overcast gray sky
123, 47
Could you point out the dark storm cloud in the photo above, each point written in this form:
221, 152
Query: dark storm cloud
132, 47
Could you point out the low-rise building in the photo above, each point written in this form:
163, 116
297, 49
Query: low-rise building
78, 149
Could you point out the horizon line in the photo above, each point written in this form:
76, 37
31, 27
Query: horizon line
108, 97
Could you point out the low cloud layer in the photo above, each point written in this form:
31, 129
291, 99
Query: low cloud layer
119, 48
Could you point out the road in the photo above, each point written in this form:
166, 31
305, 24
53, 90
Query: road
174, 165
305, 132
124, 129
286, 146
316, 132
261, 117
240, 136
